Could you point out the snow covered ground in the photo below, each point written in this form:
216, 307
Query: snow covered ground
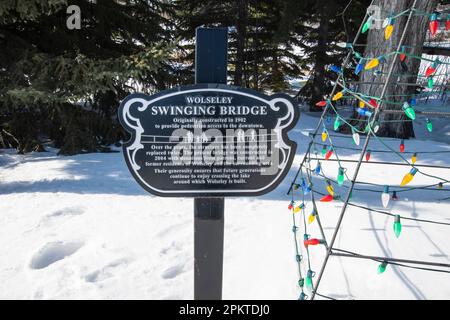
80, 227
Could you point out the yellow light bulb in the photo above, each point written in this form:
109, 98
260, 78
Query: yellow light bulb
338, 96
414, 158
408, 177
388, 31
361, 104
296, 209
330, 189
311, 218
324, 136
372, 64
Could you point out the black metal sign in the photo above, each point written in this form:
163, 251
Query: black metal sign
208, 140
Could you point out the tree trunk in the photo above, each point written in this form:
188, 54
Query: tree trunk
404, 72
318, 82
255, 60
241, 28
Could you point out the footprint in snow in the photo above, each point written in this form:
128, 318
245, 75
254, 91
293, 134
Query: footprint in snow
172, 272
175, 246
170, 230
64, 212
52, 252
68, 211
106, 272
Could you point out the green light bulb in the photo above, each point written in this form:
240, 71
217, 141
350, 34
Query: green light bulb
366, 129
324, 150
308, 280
429, 125
340, 178
397, 226
366, 25
337, 123
409, 111
430, 83
382, 267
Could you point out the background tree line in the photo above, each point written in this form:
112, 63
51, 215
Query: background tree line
62, 87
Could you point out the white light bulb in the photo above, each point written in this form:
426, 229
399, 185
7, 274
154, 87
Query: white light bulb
356, 138
344, 45
355, 135
376, 126
385, 197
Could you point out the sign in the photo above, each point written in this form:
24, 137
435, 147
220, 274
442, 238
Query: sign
208, 140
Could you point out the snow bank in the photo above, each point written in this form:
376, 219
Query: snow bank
80, 227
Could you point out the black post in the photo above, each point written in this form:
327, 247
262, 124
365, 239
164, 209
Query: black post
210, 67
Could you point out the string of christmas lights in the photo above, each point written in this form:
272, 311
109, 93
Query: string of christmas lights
385, 261
432, 187
337, 147
370, 107
409, 111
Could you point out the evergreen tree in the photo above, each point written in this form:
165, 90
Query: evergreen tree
326, 24
258, 57
65, 85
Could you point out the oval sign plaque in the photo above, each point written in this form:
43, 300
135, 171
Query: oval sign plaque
208, 140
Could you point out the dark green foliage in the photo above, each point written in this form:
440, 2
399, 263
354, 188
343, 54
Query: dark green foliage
65, 85
274, 41
62, 87
331, 22
259, 57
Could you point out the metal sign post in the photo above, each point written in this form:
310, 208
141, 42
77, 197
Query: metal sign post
210, 67
208, 141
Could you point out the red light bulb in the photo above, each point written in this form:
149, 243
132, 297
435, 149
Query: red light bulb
321, 103
328, 154
434, 26
430, 71
402, 146
368, 155
394, 195
373, 103
312, 242
402, 54
326, 198
434, 23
